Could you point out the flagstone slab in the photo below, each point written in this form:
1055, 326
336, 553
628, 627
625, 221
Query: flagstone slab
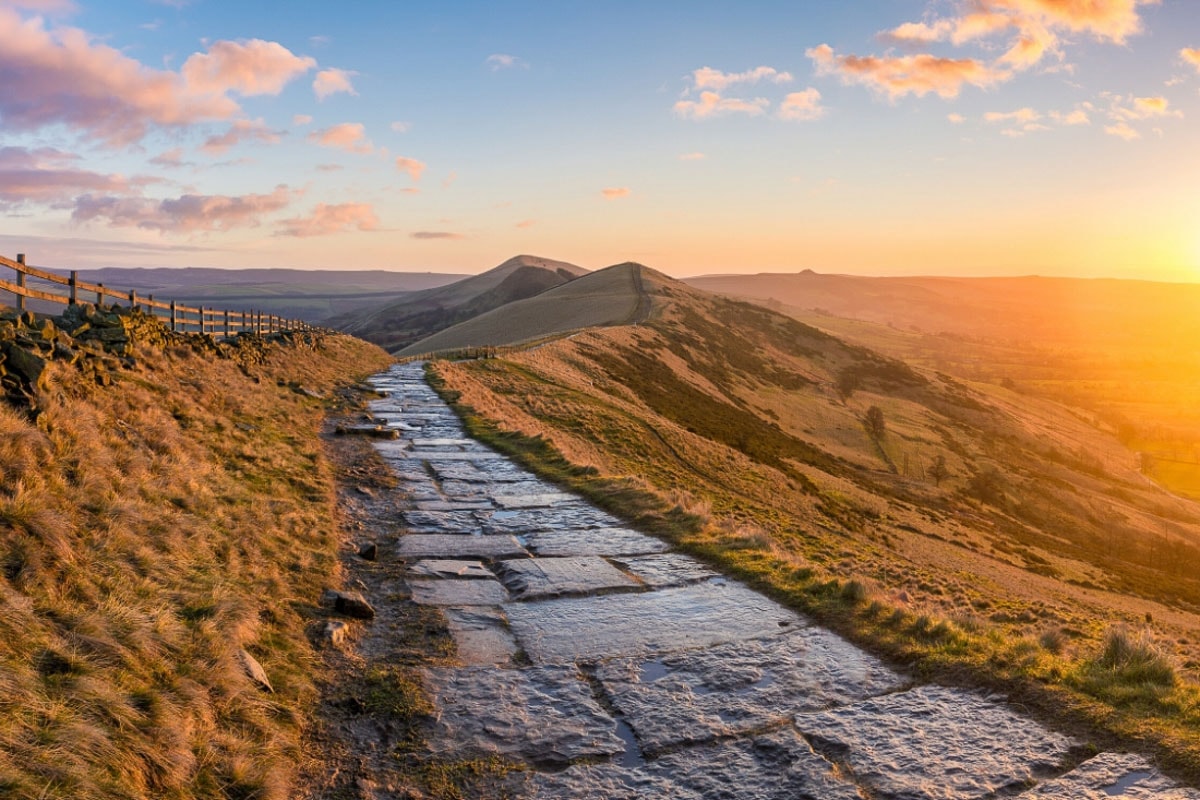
454, 546
550, 577
645, 624
592, 542
453, 592
667, 569
1124, 776
481, 636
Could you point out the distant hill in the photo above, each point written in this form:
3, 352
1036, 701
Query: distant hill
395, 325
616, 295
312, 295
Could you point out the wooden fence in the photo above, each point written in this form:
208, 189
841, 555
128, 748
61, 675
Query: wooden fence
185, 319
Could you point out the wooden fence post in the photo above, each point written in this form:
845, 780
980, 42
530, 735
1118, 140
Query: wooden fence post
21, 283
227, 323
74, 284
174, 317
100, 296
132, 299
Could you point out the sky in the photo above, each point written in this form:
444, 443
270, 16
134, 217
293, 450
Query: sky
878, 137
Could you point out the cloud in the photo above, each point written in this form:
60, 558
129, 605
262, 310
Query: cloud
436, 235
189, 213
401, 127
526, 223
67, 79
957, 119
692, 156
1077, 117
712, 104
1021, 115
242, 130
412, 166
47, 176
327, 219
615, 192
301, 120
450, 179
799, 106
170, 158
897, 76
252, 67
348, 136
1122, 130
718, 81
42, 6
1192, 56
499, 61
331, 81
329, 167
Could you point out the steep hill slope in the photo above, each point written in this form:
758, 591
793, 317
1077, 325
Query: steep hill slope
613, 296
396, 325
158, 529
965, 529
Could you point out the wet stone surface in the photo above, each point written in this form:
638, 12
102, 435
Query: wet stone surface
548, 577
1112, 775
545, 715
934, 742
473, 592
653, 676
699, 695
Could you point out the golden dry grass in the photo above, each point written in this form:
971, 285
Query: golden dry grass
148, 532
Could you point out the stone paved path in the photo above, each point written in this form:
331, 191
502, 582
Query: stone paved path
617, 669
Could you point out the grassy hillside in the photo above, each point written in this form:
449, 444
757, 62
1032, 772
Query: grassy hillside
151, 531
968, 532
398, 324
613, 296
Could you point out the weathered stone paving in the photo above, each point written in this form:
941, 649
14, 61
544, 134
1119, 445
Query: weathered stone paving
615, 668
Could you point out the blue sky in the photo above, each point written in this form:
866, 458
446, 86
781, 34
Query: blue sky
886, 137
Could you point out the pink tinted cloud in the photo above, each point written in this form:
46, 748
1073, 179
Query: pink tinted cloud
331, 81
348, 136
170, 158
412, 166
328, 219
799, 106
189, 213
615, 192
240, 131
48, 176
526, 223
712, 104
67, 78
251, 67
897, 76
1192, 56
436, 235
718, 81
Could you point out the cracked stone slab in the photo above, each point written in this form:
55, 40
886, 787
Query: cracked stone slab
699, 695
453, 505
550, 577
513, 502
448, 522
450, 568
593, 542
668, 569
644, 624
545, 715
481, 635
1112, 775
935, 743
453, 592
451, 545
460, 472
775, 766
552, 518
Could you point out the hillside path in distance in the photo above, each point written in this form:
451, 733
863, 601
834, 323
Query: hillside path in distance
612, 667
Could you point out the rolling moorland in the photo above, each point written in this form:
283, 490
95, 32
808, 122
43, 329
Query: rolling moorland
970, 532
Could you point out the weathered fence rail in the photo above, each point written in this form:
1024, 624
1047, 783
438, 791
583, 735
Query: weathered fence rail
185, 319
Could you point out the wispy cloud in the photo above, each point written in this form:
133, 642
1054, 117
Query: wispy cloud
332, 81
956, 118
499, 61
300, 120
412, 166
401, 127
348, 136
240, 131
189, 213
1192, 56
48, 176
253, 67
802, 106
328, 219
1122, 130
615, 192
897, 76
692, 156
526, 223
172, 158
712, 104
436, 235
718, 81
